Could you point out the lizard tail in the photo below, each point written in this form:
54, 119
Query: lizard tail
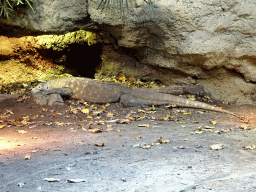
158, 98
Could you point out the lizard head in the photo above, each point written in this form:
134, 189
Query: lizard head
40, 87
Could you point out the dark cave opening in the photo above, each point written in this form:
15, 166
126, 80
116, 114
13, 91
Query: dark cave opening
84, 59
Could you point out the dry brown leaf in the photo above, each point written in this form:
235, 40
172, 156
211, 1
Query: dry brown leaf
110, 114
143, 125
216, 146
95, 130
213, 122
22, 131
73, 110
141, 111
145, 146
85, 110
101, 123
27, 157
208, 127
32, 137
122, 78
51, 179
124, 121
98, 112
198, 132
245, 127
44, 110
93, 106
2, 126
59, 123
99, 145
152, 108
249, 147
138, 137
132, 79
161, 140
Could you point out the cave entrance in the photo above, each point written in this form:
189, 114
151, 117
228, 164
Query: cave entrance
84, 59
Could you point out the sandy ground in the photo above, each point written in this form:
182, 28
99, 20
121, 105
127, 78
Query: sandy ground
60, 144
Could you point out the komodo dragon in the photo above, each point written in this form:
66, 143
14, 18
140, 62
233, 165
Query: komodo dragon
95, 91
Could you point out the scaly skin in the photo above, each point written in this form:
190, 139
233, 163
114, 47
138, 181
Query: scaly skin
95, 91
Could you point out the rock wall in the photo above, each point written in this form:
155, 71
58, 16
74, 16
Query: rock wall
180, 41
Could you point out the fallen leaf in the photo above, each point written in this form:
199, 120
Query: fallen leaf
73, 110
132, 79
208, 127
138, 137
207, 97
216, 146
48, 124
2, 126
245, 127
145, 146
93, 106
101, 123
95, 130
99, 145
152, 108
143, 125
51, 179
20, 184
75, 180
98, 112
32, 137
141, 111
213, 122
249, 147
185, 139
27, 157
161, 140
59, 123
198, 132
44, 110
22, 131
110, 114
122, 77
192, 97
85, 110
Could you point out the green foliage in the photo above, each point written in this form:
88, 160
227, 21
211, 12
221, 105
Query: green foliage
7, 7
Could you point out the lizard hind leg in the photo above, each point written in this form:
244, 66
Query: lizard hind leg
129, 101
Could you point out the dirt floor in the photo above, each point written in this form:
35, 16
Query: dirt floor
112, 148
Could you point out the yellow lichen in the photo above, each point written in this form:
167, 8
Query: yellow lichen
60, 42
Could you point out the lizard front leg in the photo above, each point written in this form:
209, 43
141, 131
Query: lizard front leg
51, 96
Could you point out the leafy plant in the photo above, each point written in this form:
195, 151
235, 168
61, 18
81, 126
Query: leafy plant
7, 7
